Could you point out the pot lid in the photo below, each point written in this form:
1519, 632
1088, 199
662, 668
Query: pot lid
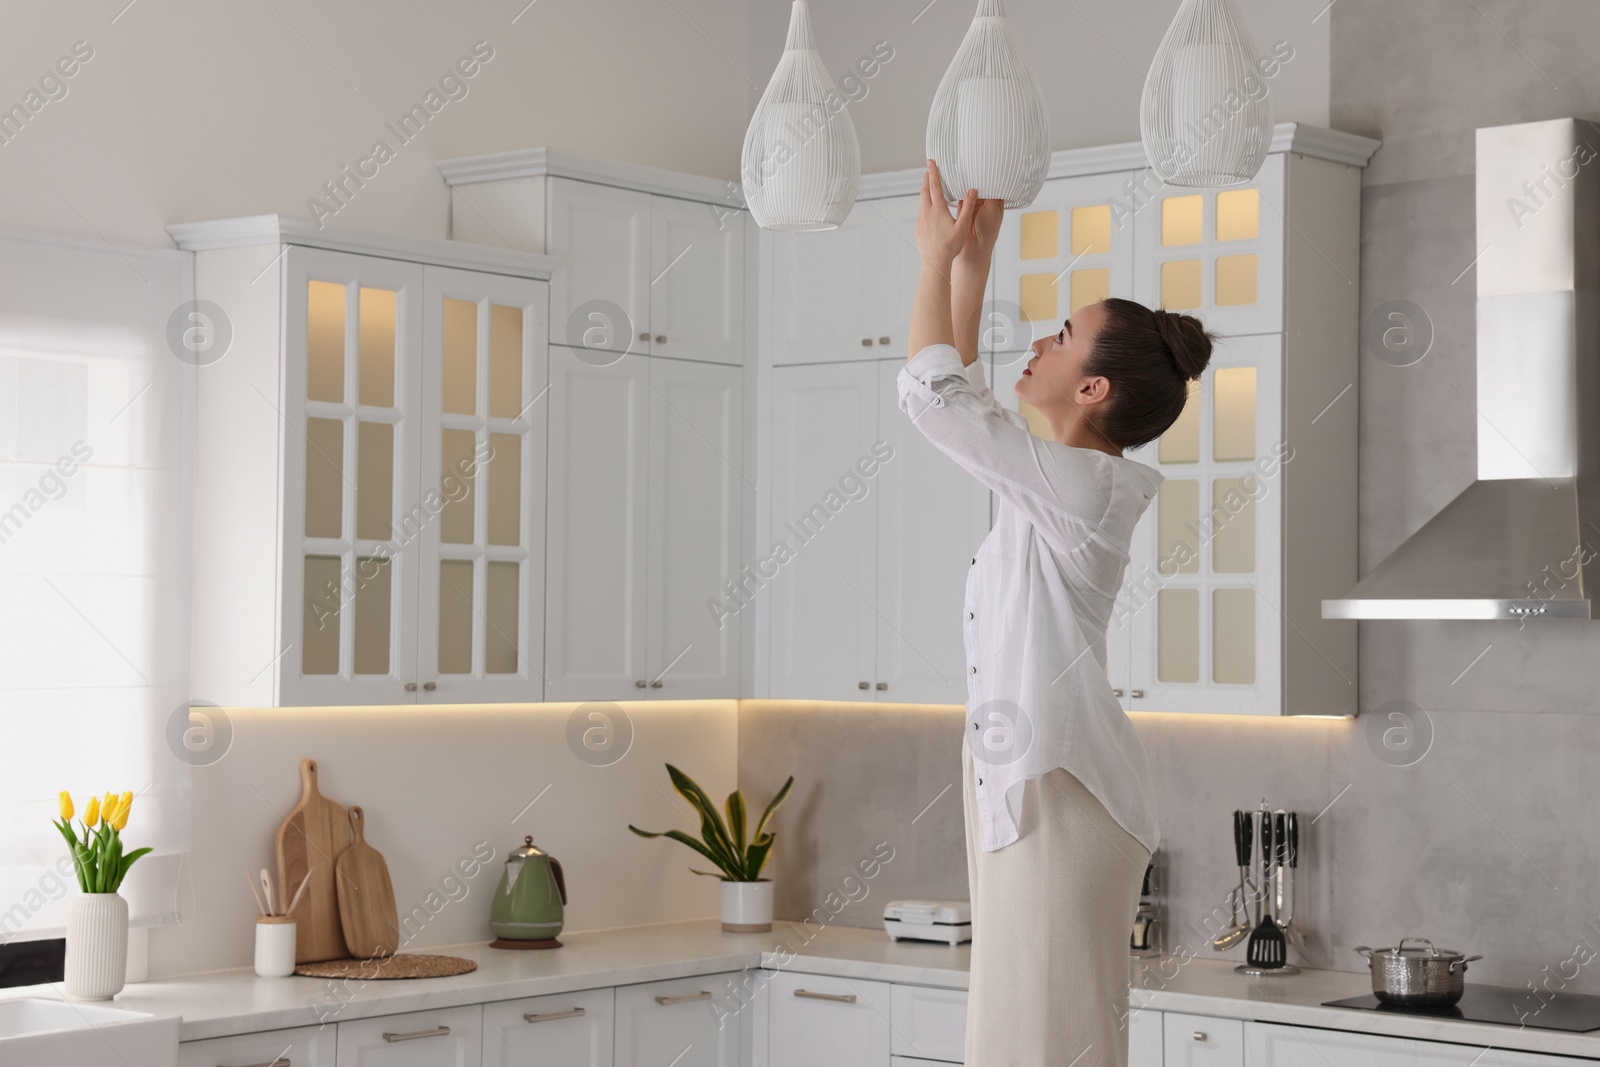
527, 848
1408, 949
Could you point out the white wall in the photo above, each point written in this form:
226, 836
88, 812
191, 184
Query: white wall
1090, 55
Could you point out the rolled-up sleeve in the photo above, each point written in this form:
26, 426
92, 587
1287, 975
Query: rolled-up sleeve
1056, 485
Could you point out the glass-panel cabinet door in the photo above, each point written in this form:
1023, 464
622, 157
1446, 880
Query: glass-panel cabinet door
1204, 585
480, 512
353, 333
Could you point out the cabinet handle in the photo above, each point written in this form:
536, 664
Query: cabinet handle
1136, 693
1199, 1035
863, 685
866, 342
883, 340
411, 687
655, 685
430, 686
1116, 693
640, 684
702, 995
281, 1061
882, 686
842, 998
544, 1017
661, 338
645, 336
417, 1035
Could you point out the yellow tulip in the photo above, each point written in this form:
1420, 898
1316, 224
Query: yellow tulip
126, 802
108, 805
66, 806
122, 817
91, 814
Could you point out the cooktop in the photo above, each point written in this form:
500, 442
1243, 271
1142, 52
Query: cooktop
1501, 1005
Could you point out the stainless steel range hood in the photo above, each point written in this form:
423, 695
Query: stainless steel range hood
1521, 541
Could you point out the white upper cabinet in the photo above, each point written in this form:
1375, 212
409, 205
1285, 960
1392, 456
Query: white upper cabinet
645, 513
673, 267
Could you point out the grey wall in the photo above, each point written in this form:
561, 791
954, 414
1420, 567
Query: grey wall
1488, 842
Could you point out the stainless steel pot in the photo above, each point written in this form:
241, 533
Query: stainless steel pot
1417, 977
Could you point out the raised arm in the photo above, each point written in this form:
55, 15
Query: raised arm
969, 277
940, 239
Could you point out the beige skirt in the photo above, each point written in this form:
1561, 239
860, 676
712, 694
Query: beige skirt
1051, 916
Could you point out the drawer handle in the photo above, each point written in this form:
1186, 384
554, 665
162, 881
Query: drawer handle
1136, 693
702, 995
644, 336
1199, 1035
417, 1035
842, 998
866, 342
883, 340
544, 1017
281, 1061
1116, 692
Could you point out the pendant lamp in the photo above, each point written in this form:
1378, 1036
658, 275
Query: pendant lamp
801, 164
988, 129
1206, 114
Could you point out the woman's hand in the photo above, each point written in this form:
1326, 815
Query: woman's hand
940, 238
979, 249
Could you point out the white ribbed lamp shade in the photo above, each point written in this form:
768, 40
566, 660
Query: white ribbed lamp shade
1206, 113
801, 164
988, 129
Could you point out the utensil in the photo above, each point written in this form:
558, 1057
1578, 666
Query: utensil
367, 911
266, 891
1296, 936
1280, 849
1266, 948
528, 907
309, 842
298, 893
255, 891
1415, 977
1241, 854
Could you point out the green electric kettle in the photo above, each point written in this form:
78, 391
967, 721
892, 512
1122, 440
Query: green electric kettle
527, 908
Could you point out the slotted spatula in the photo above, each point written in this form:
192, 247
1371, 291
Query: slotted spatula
1266, 948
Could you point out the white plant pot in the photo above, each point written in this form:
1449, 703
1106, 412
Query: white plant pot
747, 906
97, 946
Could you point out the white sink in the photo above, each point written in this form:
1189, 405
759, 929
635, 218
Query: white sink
35, 1032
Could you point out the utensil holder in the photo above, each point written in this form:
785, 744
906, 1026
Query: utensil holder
274, 946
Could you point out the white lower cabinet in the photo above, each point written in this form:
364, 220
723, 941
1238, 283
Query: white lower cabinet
1144, 1038
930, 1024
682, 1021
1271, 1045
823, 1021
560, 1030
1202, 1041
449, 1037
306, 1046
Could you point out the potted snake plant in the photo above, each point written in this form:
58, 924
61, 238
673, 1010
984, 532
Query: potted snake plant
746, 896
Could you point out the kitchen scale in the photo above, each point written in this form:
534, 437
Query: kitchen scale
1577, 1013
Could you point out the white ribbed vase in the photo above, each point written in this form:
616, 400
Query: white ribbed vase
97, 946
747, 906
988, 128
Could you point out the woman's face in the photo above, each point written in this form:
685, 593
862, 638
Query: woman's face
1053, 381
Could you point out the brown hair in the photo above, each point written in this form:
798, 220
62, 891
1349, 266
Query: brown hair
1150, 356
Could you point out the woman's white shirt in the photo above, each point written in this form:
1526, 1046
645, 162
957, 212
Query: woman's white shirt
1039, 597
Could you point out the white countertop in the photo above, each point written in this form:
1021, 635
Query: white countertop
236, 1002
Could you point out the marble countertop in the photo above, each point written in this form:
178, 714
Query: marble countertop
236, 1002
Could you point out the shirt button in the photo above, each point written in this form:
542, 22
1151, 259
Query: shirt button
980, 781
974, 559
972, 670
970, 615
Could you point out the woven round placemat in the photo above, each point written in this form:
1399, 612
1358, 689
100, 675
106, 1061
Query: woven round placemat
403, 966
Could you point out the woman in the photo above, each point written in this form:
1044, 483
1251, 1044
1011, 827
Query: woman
1060, 813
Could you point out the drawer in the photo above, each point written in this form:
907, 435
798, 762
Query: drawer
1202, 1041
690, 1018
304, 1046
912, 1061
449, 1037
929, 1023
569, 1029
818, 1019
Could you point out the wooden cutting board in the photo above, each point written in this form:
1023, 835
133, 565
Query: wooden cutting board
311, 839
366, 897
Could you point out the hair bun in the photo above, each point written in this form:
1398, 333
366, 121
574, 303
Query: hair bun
1188, 341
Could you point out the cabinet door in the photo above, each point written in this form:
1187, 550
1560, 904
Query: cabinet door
352, 401
929, 1023
678, 1022
561, 1030
696, 483
1271, 1045
595, 572
1205, 575
821, 293
817, 1019
1072, 246
1202, 1041
450, 1037
895, 267
820, 570
304, 1046
932, 516
1215, 253
1144, 1038
480, 514
601, 235
696, 281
